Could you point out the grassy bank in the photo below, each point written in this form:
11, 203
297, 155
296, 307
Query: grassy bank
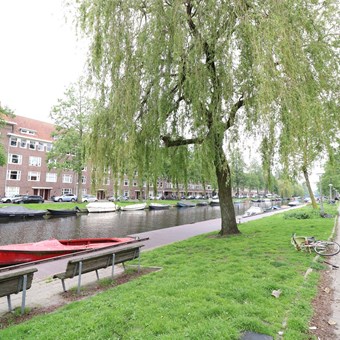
209, 288
71, 205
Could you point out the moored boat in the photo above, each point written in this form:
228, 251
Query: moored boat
158, 206
253, 211
134, 207
182, 204
20, 212
27, 252
98, 207
202, 204
293, 203
63, 212
215, 202
274, 207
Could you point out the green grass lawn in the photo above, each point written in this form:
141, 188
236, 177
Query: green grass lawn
209, 288
71, 205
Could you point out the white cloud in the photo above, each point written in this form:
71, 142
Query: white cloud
39, 55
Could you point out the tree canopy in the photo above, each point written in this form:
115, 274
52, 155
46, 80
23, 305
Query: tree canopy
179, 74
4, 112
71, 116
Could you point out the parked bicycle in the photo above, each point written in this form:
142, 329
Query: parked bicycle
308, 243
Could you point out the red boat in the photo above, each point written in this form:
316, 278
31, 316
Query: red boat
12, 254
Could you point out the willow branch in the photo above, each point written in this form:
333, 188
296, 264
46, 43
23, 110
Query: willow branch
231, 120
181, 141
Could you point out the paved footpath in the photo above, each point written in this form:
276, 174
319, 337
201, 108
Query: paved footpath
47, 292
336, 285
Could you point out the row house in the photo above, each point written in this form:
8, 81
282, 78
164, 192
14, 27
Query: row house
27, 142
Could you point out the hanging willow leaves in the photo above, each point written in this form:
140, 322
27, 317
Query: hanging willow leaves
174, 74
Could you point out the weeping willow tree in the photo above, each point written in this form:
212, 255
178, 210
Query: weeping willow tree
176, 73
319, 123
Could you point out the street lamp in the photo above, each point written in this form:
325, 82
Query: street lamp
330, 193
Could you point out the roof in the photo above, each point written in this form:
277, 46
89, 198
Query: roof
42, 130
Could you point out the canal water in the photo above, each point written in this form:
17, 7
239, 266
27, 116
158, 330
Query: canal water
115, 224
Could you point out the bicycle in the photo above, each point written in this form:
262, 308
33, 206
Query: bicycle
309, 243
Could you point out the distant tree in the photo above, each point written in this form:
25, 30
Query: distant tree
177, 73
255, 177
285, 187
4, 112
331, 174
238, 167
71, 116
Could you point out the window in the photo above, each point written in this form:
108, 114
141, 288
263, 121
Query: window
33, 176
15, 159
23, 143
51, 177
27, 131
11, 191
13, 141
52, 161
83, 180
34, 161
134, 183
31, 145
48, 147
106, 181
66, 191
126, 182
126, 193
40, 146
14, 175
67, 178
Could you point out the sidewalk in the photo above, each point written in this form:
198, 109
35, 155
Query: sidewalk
335, 274
47, 292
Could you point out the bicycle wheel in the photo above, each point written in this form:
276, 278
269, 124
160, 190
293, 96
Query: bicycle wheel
327, 248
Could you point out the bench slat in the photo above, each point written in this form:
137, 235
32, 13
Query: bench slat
102, 260
12, 282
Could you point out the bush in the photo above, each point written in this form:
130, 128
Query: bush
299, 215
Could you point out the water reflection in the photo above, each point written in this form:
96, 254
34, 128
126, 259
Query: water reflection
115, 224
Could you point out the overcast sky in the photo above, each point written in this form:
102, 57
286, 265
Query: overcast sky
39, 56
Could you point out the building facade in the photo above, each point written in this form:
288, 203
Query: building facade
27, 142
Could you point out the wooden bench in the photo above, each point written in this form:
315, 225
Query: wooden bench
13, 282
98, 260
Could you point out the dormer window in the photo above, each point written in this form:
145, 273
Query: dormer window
27, 131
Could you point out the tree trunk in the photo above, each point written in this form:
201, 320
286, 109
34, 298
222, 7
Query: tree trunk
79, 187
311, 195
228, 223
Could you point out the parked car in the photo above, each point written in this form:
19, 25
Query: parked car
119, 198
65, 198
11, 199
151, 197
89, 198
29, 199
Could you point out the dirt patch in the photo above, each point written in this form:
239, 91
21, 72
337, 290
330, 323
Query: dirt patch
320, 325
14, 318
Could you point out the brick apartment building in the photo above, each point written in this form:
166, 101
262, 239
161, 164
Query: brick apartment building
26, 143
